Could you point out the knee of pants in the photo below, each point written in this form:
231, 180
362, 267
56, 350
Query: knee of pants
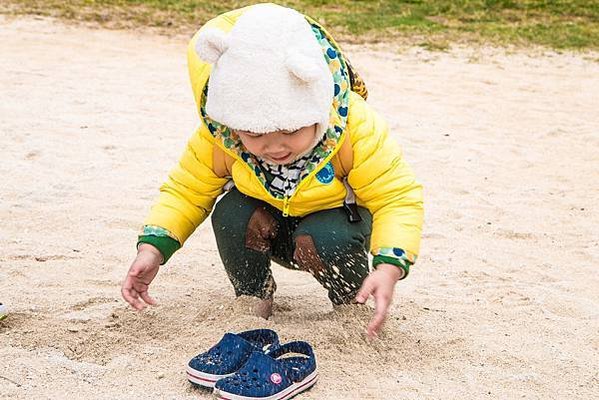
342, 276
332, 245
243, 221
306, 256
331, 258
334, 235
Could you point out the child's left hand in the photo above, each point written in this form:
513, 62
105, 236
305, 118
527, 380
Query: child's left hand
380, 284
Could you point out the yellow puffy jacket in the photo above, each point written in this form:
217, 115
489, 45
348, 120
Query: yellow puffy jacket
366, 156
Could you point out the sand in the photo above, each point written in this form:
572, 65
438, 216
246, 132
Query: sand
503, 302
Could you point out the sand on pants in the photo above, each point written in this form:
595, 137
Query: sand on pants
503, 302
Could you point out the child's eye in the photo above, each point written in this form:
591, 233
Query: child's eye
248, 134
291, 132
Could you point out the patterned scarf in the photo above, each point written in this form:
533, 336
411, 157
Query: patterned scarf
283, 179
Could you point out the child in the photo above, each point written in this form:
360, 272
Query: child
313, 179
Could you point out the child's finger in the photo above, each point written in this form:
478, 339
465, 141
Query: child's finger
365, 291
131, 296
147, 298
380, 314
135, 302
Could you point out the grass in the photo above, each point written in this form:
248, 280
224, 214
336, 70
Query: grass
558, 24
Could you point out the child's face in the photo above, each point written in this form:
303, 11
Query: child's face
280, 147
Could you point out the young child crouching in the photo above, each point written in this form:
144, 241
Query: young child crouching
313, 180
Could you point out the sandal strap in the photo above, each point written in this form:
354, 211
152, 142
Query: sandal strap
293, 347
264, 340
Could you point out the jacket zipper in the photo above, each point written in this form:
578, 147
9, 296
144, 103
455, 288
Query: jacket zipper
287, 199
286, 206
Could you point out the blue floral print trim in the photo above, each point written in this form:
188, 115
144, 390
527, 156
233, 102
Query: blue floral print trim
394, 256
153, 230
402, 257
326, 174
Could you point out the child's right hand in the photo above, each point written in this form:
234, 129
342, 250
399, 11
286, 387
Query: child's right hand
140, 275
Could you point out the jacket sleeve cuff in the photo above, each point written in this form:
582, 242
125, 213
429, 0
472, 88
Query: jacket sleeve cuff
165, 245
161, 239
394, 256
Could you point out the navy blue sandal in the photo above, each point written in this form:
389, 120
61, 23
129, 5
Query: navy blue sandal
229, 355
278, 375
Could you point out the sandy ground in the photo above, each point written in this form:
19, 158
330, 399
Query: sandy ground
503, 303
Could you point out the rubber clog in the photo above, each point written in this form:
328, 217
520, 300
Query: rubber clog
229, 355
278, 375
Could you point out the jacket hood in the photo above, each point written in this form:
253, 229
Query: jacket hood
268, 73
342, 77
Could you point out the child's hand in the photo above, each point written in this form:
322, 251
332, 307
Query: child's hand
140, 275
380, 284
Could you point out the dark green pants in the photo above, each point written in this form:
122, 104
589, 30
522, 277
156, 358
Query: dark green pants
250, 233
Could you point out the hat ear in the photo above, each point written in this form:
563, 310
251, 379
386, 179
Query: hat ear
302, 67
211, 45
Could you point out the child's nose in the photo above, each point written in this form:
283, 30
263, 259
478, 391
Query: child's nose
276, 142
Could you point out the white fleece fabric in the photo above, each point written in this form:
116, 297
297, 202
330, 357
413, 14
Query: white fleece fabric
268, 73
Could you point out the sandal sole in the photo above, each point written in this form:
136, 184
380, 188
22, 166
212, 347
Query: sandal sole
288, 393
202, 378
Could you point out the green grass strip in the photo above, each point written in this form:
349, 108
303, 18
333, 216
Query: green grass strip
559, 24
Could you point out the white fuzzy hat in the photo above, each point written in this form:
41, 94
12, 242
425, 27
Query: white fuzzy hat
268, 73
